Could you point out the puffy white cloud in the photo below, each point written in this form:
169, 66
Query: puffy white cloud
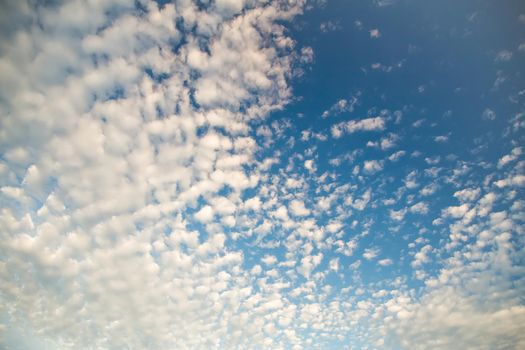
205, 214
467, 194
419, 208
398, 215
256, 270
516, 180
375, 33
388, 142
455, 301
488, 114
429, 190
385, 262
516, 152
309, 263
503, 56
456, 211
121, 117
253, 203
361, 203
343, 105
307, 55
334, 264
346, 248
329, 26
269, 259
309, 165
297, 208
229, 7
372, 166
281, 213
394, 157
143, 207
370, 253
352, 126
441, 138
421, 257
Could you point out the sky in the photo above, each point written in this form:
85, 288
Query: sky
262, 174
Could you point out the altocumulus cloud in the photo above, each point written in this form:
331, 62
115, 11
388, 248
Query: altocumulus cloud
149, 201
119, 119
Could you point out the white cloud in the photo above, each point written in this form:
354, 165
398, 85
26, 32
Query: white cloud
441, 138
229, 7
309, 165
269, 259
421, 257
297, 208
281, 213
394, 157
346, 248
388, 142
361, 203
459, 317
385, 262
372, 166
419, 208
383, 3
341, 106
114, 139
488, 114
256, 270
429, 190
370, 253
293, 183
352, 126
309, 263
516, 152
205, 214
398, 215
253, 203
307, 55
456, 211
503, 56
375, 33
467, 194
330, 26
517, 180
334, 264
124, 128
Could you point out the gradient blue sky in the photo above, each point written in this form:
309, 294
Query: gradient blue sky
245, 174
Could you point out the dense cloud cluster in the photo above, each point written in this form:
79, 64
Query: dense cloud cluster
144, 205
124, 126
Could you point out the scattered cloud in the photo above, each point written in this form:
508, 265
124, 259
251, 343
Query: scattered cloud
370, 253
503, 56
385, 262
488, 114
352, 126
159, 189
372, 166
375, 33
330, 26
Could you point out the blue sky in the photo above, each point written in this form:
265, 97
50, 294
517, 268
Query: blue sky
244, 174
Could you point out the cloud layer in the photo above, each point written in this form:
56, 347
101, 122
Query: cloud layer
148, 201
